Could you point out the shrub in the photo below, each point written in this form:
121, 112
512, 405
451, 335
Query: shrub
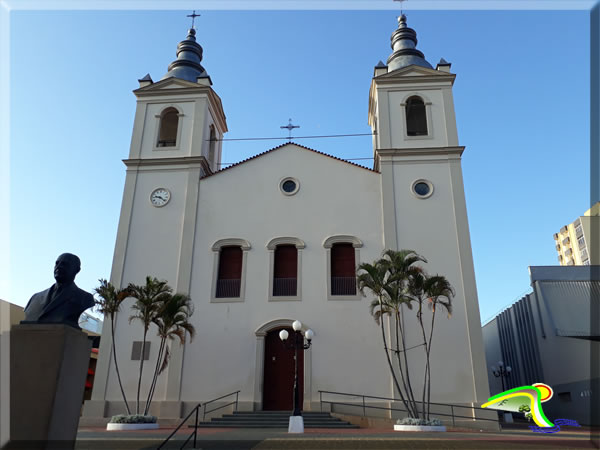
134, 418
421, 422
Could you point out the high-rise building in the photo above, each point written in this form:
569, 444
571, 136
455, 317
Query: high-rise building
573, 240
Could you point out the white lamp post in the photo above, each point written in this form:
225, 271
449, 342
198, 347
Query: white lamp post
296, 424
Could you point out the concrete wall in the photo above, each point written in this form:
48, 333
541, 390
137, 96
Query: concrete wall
4, 372
10, 315
493, 354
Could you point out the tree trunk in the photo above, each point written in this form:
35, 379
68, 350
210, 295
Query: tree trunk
137, 408
155, 375
409, 394
114, 349
420, 316
412, 394
387, 354
428, 364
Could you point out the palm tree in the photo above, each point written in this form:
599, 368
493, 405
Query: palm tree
109, 305
173, 321
396, 281
439, 291
402, 269
149, 298
376, 278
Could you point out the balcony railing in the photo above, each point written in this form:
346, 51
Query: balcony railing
166, 143
228, 288
343, 285
285, 286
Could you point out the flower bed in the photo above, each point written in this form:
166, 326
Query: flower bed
132, 422
411, 424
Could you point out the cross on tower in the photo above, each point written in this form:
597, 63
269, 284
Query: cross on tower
290, 127
193, 15
401, 1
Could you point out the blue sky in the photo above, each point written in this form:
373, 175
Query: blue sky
522, 102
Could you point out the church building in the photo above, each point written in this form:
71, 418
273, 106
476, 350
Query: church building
278, 237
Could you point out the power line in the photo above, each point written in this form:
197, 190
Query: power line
292, 137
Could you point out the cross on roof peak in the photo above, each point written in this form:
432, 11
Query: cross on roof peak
193, 15
290, 127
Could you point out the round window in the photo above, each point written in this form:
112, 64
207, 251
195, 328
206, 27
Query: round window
422, 188
289, 186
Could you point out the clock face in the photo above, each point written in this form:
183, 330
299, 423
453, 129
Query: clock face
160, 197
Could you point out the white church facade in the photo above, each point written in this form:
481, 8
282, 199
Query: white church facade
278, 237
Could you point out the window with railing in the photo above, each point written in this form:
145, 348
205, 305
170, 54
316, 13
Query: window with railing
343, 270
167, 134
229, 278
285, 271
229, 270
342, 254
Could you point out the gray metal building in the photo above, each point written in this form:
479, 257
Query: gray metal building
551, 336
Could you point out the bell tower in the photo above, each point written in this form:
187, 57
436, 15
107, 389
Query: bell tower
416, 150
178, 126
180, 115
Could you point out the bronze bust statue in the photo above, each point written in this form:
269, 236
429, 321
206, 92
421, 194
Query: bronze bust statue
63, 302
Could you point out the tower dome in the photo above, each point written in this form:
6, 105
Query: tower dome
187, 65
404, 44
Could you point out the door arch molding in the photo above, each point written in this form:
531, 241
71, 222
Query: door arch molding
259, 371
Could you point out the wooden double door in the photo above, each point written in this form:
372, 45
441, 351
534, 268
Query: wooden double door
278, 381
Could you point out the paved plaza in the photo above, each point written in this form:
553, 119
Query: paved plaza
363, 438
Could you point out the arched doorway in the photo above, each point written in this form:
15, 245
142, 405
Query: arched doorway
278, 378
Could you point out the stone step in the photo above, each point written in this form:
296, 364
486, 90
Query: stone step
273, 419
268, 425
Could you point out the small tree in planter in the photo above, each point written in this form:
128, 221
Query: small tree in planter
109, 304
172, 320
149, 298
397, 282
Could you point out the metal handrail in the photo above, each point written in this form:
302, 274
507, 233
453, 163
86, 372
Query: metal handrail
196, 410
365, 406
222, 406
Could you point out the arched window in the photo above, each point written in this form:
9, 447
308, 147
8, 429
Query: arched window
285, 272
342, 253
229, 272
343, 269
229, 278
212, 145
285, 269
416, 117
167, 135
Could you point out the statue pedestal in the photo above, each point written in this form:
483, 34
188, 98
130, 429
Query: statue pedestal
48, 367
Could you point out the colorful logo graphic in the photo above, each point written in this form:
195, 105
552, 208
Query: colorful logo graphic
529, 399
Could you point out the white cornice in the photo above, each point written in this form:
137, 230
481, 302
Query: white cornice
183, 160
386, 153
409, 79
